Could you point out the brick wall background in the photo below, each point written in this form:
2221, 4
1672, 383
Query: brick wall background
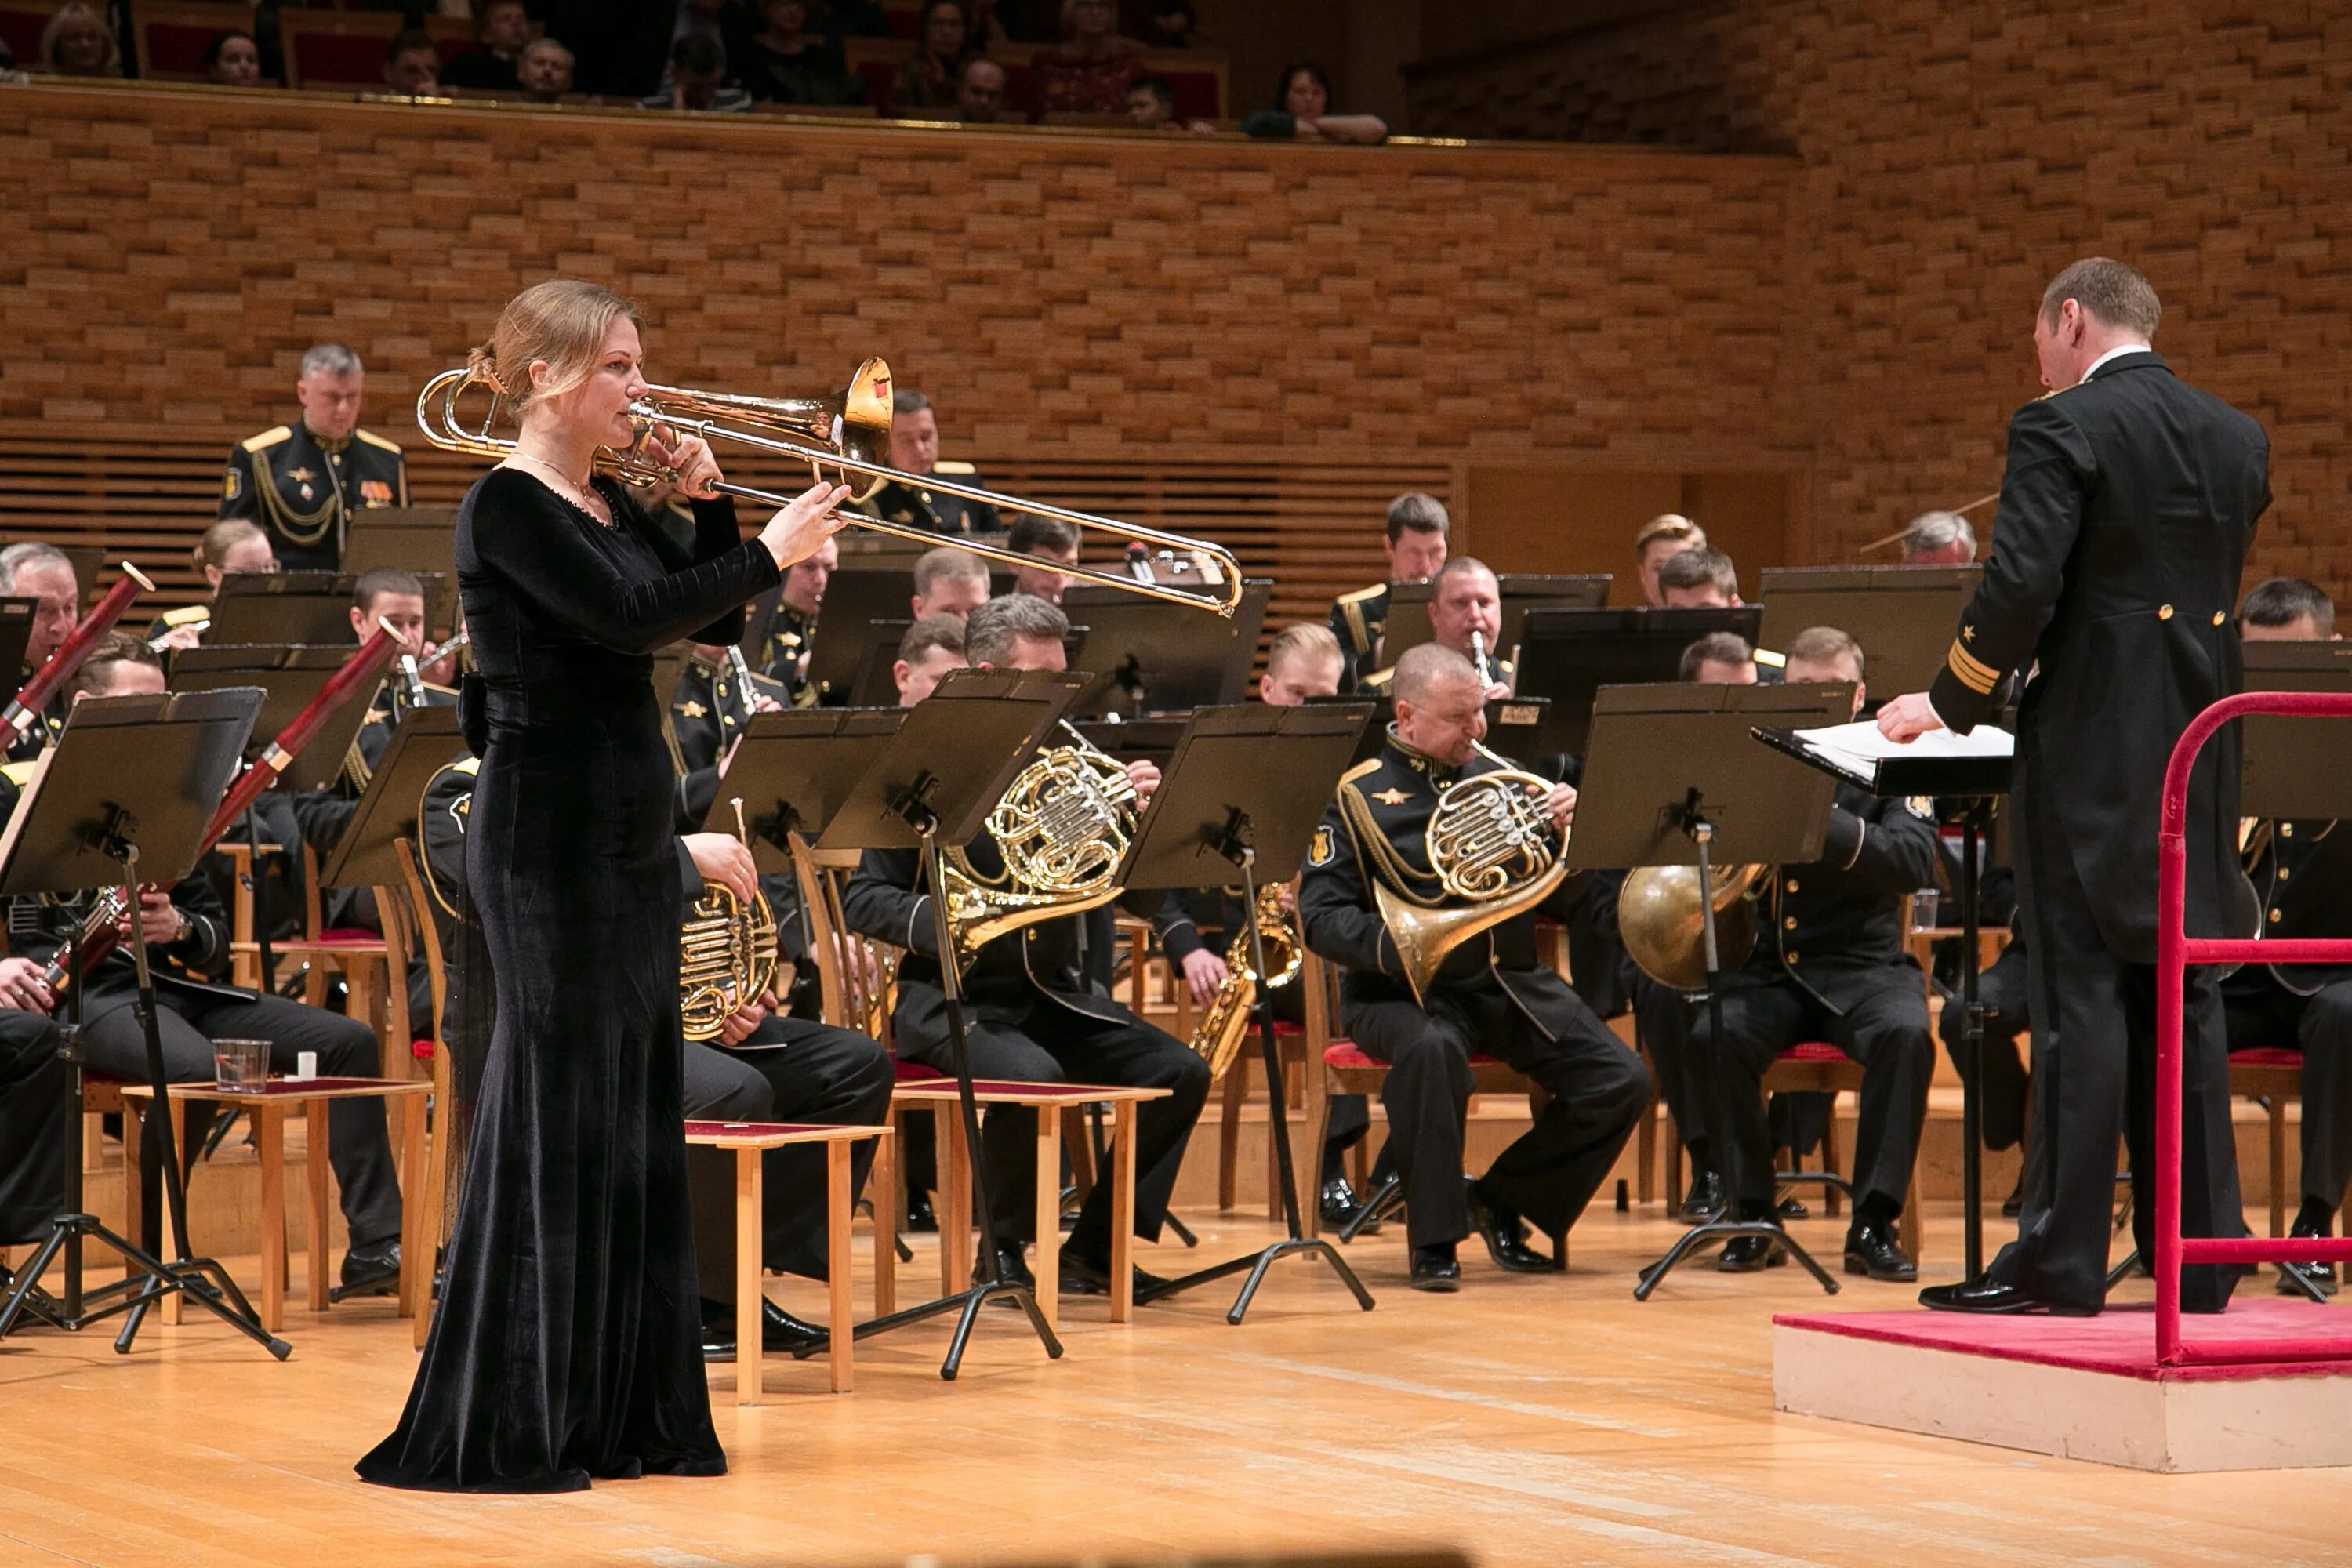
1953, 158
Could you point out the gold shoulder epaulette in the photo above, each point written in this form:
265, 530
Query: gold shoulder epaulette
21, 773
468, 766
187, 614
1771, 660
1369, 765
1379, 680
373, 439
270, 437
953, 466
1360, 595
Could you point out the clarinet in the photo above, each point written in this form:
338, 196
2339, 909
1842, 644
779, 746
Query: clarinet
1478, 659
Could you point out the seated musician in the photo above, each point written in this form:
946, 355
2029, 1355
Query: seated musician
1416, 548
1031, 1012
397, 598
711, 707
1051, 544
915, 449
45, 573
186, 932
948, 582
2303, 873
34, 1128
1664, 535
235, 545
1491, 997
1698, 578
1831, 967
783, 656
773, 1067
1466, 613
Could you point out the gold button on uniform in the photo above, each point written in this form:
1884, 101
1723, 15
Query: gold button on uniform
2286, 830
2219, 615
2165, 614
1793, 957
2284, 873
1792, 884
2274, 917
1790, 924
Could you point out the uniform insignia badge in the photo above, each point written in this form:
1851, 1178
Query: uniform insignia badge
1391, 796
1321, 851
375, 492
230, 485
306, 492
1967, 634
300, 477
691, 708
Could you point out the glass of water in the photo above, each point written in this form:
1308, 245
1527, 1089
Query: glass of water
242, 1066
1923, 909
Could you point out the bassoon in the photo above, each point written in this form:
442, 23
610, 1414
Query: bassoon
27, 708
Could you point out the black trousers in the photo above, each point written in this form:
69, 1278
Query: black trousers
1053, 1043
188, 1022
2095, 1082
35, 1130
1538, 1027
2258, 1012
808, 1072
2000, 1099
1885, 1028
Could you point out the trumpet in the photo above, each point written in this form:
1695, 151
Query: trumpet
838, 437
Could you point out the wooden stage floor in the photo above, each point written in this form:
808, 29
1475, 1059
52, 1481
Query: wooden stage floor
1530, 1421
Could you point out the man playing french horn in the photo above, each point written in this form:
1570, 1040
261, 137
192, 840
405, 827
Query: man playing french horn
1033, 1004
1412, 863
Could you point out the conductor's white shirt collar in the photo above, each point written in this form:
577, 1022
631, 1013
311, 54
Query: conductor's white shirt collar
2116, 353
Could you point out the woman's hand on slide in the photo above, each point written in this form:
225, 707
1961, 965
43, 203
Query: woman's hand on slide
689, 458
795, 534
722, 858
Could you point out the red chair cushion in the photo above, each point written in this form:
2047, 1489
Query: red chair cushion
421, 1050
1348, 1053
351, 934
913, 1072
2266, 1056
1287, 1031
1812, 1051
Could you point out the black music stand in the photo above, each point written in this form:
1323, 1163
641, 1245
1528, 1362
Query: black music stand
290, 679
1901, 616
1408, 622
125, 797
854, 597
283, 607
793, 770
875, 686
1154, 656
426, 741
15, 632
1243, 794
1570, 654
1672, 778
418, 539
935, 784
1966, 790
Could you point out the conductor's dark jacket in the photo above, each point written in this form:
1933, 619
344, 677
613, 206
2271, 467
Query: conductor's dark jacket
2126, 514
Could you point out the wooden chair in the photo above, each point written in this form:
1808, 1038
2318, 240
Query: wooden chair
2272, 1077
170, 36
346, 48
1814, 1068
1348, 1069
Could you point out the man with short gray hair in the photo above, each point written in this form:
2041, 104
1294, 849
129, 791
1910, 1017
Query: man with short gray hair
1937, 539
301, 481
43, 573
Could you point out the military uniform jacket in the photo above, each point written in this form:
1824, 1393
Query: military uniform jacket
1835, 928
324, 813
42, 732
1375, 829
2304, 881
790, 635
1358, 619
302, 489
923, 507
2125, 513
709, 712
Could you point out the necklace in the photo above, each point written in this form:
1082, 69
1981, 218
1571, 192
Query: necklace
579, 495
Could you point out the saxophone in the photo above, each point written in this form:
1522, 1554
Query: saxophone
1223, 1027
725, 953
1061, 827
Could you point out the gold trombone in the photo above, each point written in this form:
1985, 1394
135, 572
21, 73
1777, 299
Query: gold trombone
838, 437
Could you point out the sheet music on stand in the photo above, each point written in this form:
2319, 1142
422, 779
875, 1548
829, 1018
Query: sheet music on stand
1938, 762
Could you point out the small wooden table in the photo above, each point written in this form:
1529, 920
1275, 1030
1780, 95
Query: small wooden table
749, 1140
268, 1106
1049, 1099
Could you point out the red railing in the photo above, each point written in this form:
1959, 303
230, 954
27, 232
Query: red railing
2175, 951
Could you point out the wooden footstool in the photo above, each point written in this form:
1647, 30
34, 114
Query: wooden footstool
268, 1107
749, 1140
1049, 1099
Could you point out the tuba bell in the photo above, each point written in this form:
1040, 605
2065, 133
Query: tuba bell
1492, 846
1659, 920
1061, 827
725, 953
1222, 1028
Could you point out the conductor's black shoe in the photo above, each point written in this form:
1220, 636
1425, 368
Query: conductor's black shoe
1435, 1269
1502, 1232
2014, 1204
370, 1270
1792, 1208
1085, 1276
1989, 1296
1705, 1199
2321, 1276
921, 1218
1871, 1250
1747, 1254
1340, 1204
779, 1331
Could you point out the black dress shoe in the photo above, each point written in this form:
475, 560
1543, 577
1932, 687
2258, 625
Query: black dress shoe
1871, 1250
1340, 1204
921, 1218
1435, 1269
1705, 1199
2321, 1276
1501, 1230
370, 1270
1011, 1268
2014, 1204
1747, 1254
1083, 1275
779, 1331
718, 1342
1989, 1296
1792, 1208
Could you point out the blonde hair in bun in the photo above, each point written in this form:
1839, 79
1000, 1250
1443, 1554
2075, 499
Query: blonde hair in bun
563, 323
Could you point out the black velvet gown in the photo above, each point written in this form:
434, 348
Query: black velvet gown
567, 1342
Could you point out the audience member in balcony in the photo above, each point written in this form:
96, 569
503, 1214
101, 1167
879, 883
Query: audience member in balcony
979, 91
1092, 68
928, 80
1151, 106
544, 71
501, 30
232, 59
78, 43
698, 79
1302, 113
786, 64
412, 65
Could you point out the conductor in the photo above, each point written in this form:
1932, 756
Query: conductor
2129, 502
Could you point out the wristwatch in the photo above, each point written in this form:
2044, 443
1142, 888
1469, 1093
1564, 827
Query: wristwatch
185, 930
